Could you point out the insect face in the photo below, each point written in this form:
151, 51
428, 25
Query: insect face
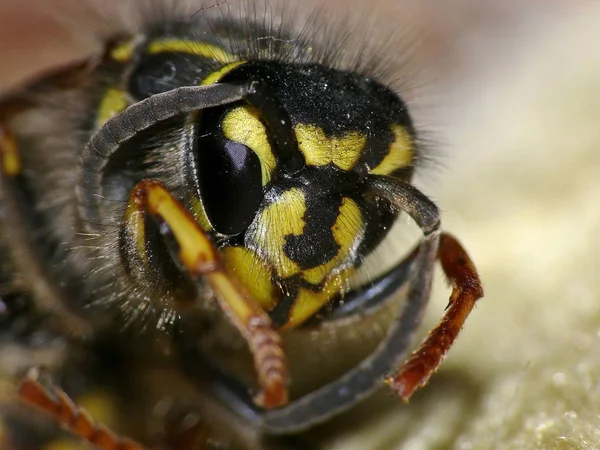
283, 188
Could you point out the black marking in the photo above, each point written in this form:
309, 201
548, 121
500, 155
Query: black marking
277, 121
396, 112
316, 245
378, 217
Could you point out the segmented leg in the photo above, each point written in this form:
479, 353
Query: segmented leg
466, 290
57, 403
202, 260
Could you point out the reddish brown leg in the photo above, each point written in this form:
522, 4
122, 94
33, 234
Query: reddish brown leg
57, 403
466, 290
202, 261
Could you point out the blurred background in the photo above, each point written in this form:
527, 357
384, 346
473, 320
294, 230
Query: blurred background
508, 92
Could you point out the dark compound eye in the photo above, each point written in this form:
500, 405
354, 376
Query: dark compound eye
229, 175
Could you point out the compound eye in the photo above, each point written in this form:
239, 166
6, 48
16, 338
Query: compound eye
229, 176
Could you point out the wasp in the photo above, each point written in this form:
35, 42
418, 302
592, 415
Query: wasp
187, 214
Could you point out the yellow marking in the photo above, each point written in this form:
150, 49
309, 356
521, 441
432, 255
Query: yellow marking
320, 150
283, 217
308, 302
253, 274
123, 52
113, 102
220, 73
347, 230
286, 217
9, 153
242, 124
190, 47
334, 275
199, 214
134, 219
348, 227
197, 207
400, 154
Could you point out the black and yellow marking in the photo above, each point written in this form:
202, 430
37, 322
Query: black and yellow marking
253, 273
209, 61
284, 217
217, 74
122, 52
308, 301
400, 154
320, 150
285, 234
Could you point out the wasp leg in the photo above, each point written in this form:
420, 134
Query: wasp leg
202, 261
466, 290
57, 403
22, 224
458, 268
